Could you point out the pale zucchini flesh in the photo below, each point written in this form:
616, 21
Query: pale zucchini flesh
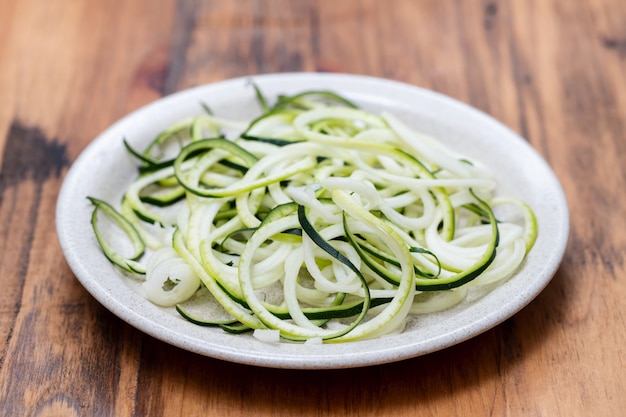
317, 219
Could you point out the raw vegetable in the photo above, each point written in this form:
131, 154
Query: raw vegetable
316, 221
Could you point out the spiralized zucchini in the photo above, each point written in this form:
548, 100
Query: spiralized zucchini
317, 221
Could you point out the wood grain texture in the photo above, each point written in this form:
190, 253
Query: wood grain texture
552, 70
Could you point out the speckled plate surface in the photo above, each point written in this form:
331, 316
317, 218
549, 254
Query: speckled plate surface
104, 169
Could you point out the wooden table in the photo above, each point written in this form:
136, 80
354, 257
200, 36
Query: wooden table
554, 71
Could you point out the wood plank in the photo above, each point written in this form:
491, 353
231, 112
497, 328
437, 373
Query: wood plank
551, 70
62, 353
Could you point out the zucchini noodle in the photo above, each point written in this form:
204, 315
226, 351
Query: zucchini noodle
317, 221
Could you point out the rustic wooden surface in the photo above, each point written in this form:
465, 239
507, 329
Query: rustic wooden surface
554, 71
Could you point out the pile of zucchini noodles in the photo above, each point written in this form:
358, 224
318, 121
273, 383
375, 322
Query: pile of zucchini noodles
317, 221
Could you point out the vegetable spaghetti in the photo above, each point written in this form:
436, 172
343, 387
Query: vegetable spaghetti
317, 221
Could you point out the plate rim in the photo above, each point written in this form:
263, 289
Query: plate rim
373, 355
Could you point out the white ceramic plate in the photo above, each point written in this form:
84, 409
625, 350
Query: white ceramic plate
105, 168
